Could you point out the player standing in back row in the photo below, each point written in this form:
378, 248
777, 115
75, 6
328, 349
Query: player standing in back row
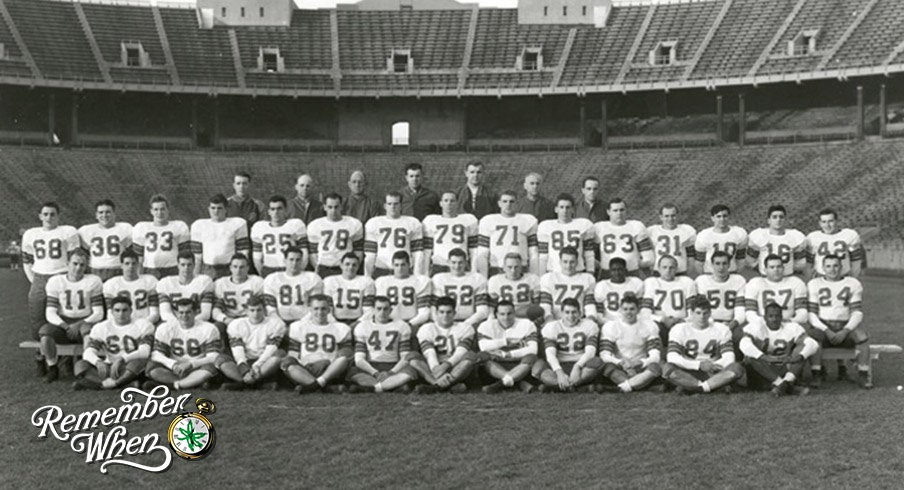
160, 241
507, 232
671, 238
386, 235
105, 240
448, 231
270, 239
721, 237
565, 231
829, 240
788, 244
332, 237
621, 237
215, 240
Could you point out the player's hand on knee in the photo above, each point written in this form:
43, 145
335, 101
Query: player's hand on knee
181, 368
382, 376
707, 366
116, 368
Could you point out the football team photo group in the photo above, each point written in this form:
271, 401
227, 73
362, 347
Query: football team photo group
455, 290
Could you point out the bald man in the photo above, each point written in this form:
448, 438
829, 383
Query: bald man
532, 202
304, 206
358, 204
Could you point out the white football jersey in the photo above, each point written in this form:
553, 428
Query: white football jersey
556, 287
733, 242
444, 341
382, 342
232, 298
406, 295
791, 243
330, 240
521, 292
104, 245
159, 245
673, 242
669, 298
350, 296
290, 295
271, 241
441, 235
504, 235
142, 292
570, 341
186, 344
384, 236
469, 291
48, 250
701, 344
628, 342
553, 236
726, 298
171, 290
519, 335
216, 241
835, 300
254, 338
313, 342
790, 293
608, 295
111, 341
626, 241
844, 243
74, 299
779, 342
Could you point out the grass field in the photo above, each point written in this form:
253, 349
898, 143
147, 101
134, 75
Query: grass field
840, 436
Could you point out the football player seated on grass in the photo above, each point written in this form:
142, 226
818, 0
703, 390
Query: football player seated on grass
570, 345
508, 347
700, 353
468, 289
319, 350
75, 302
118, 349
666, 297
382, 347
774, 353
233, 292
197, 288
630, 348
141, 288
836, 312
447, 350
185, 351
254, 342
410, 294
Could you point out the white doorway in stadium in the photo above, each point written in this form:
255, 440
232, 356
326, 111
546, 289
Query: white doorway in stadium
400, 133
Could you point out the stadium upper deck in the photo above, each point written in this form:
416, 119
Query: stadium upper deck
466, 52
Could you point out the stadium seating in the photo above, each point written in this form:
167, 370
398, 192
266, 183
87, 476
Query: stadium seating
743, 35
114, 25
863, 181
367, 38
52, 32
202, 56
597, 56
499, 39
831, 17
303, 45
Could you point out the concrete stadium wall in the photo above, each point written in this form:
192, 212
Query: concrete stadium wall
368, 122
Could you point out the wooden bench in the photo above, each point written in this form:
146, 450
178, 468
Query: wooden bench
63, 350
838, 354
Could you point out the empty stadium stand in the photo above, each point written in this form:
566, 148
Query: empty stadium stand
863, 181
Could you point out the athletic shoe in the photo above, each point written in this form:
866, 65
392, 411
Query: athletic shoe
40, 367
53, 374
526, 387
547, 389
726, 390
780, 390
493, 388
819, 378
150, 385
458, 389
799, 390
360, 389
336, 389
842, 372
234, 386
82, 385
303, 390
863, 379
425, 389
404, 389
